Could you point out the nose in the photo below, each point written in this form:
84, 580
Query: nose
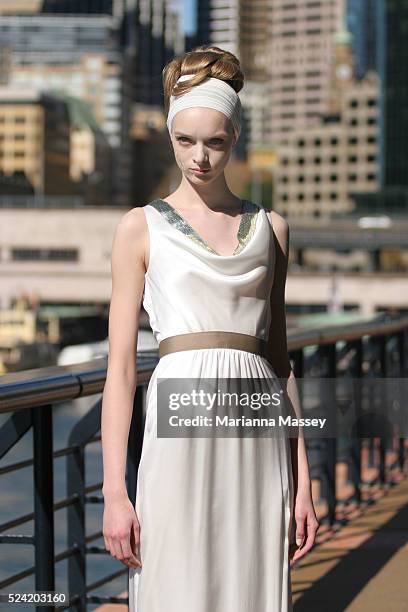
200, 154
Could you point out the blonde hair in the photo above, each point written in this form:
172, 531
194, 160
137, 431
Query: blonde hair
203, 61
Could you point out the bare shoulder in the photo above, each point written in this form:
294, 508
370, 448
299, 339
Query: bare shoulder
131, 233
281, 229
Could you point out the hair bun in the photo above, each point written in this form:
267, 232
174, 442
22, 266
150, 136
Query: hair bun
203, 62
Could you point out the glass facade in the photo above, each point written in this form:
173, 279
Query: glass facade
393, 67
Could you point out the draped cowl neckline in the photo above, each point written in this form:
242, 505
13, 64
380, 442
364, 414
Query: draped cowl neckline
246, 229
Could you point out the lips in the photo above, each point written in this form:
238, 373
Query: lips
200, 170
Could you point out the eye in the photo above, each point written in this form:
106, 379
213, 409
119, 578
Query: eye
219, 140
182, 138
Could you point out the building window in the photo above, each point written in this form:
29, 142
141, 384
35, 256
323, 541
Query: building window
318, 142
317, 196
353, 121
334, 141
371, 102
353, 159
371, 158
35, 254
301, 178
352, 177
317, 160
371, 121
333, 178
371, 139
285, 161
371, 177
317, 178
333, 196
301, 143
301, 197
301, 161
353, 103
334, 159
353, 141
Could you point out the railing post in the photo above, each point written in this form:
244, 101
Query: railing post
76, 527
328, 484
298, 361
382, 342
43, 501
402, 335
355, 458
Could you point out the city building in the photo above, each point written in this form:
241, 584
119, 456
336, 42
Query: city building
35, 140
392, 24
82, 56
51, 145
362, 23
300, 60
242, 27
218, 24
321, 168
159, 39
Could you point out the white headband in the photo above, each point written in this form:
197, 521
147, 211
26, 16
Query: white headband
212, 93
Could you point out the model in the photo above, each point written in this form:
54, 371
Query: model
213, 525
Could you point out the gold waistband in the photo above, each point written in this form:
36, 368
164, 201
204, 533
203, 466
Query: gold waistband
212, 339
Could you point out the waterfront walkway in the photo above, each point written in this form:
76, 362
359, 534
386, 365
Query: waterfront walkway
361, 565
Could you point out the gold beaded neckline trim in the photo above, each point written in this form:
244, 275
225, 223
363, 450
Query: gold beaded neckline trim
245, 231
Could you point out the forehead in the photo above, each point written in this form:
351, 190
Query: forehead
200, 121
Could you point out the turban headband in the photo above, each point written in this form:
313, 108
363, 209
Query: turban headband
212, 93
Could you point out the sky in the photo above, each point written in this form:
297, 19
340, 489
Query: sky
189, 9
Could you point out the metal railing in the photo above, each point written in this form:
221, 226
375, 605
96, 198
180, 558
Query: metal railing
377, 346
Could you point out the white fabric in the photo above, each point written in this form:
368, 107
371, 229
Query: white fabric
212, 93
215, 513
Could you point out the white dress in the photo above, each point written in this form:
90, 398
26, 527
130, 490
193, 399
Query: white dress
215, 513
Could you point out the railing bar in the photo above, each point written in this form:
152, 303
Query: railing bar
28, 462
16, 522
30, 517
94, 536
100, 599
96, 550
30, 571
108, 578
63, 384
94, 487
16, 539
93, 499
16, 577
12, 467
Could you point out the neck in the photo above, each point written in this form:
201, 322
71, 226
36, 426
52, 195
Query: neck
216, 196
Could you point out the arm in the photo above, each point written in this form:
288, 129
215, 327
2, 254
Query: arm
278, 357
128, 270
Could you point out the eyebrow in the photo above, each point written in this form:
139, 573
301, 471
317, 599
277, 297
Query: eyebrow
213, 136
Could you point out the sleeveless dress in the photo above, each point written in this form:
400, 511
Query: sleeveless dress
215, 513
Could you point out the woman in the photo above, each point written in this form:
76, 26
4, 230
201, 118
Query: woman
214, 516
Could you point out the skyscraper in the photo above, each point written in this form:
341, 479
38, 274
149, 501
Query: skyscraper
89, 7
392, 23
362, 23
